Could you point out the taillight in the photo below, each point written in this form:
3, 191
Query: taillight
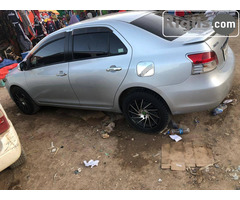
4, 125
203, 62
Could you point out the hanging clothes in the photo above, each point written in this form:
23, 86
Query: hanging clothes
26, 23
23, 41
73, 20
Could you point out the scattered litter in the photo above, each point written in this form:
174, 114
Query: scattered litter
132, 139
77, 171
158, 154
18, 114
179, 131
218, 110
207, 169
91, 163
109, 127
234, 176
228, 169
173, 125
175, 137
196, 121
105, 136
160, 180
107, 154
216, 166
165, 131
227, 101
238, 168
227, 134
52, 146
54, 149
136, 155
55, 175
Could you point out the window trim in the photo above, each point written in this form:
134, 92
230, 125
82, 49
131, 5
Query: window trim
89, 30
65, 37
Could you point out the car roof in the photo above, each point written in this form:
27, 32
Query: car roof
128, 17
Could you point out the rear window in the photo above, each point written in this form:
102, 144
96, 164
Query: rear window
153, 24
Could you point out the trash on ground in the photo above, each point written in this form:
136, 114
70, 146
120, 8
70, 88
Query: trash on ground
196, 121
175, 137
77, 171
216, 166
109, 127
165, 131
218, 110
230, 101
227, 101
105, 136
238, 168
179, 131
234, 176
107, 154
54, 149
91, 163
132, 139
160, 180
173, 125
136, 155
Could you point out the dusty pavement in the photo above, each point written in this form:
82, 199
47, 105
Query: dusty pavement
128, 159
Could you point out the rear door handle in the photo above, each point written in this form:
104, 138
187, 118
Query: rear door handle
113, 68
61, 74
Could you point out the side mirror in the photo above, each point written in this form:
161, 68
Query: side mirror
23, 66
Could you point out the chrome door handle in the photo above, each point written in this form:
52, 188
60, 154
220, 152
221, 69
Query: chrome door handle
61, 74
113, 68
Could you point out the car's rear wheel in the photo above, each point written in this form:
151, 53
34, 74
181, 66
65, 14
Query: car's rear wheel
24, 101
146, 112
20, 160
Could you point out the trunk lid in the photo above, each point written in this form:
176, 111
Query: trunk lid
216, 42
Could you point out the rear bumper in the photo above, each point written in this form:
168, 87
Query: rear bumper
10, 148
201, 92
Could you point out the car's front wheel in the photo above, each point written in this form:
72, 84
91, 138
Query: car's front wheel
24, 101
146, 112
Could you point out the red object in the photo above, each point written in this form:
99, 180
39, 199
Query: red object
179, 13
201, 58
4, 125
4, 71
122, 11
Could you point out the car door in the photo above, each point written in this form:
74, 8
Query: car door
47, 78
101, 57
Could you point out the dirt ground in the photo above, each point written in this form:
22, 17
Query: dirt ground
128, 159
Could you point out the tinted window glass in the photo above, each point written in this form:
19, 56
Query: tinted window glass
50, 54
153, 24
90, 45
116, 46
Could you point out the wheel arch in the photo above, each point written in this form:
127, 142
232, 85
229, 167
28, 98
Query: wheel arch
141, 89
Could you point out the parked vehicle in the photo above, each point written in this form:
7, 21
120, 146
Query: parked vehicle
124, 63
11, 152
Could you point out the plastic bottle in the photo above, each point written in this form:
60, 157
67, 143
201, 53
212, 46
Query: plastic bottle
179, 131
219, 109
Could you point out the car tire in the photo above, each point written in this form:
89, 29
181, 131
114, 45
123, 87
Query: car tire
146, 112
20, 160
24, 101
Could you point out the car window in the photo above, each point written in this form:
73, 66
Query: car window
116, 46
153, 24
49, 54
92, 45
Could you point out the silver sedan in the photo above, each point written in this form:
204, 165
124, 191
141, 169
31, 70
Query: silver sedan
125, 63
